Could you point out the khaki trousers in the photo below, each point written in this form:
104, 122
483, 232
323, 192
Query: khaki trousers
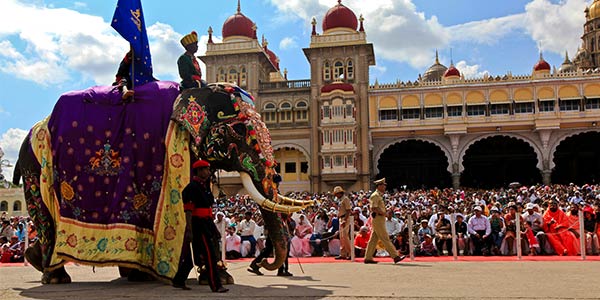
380, 233
345, 246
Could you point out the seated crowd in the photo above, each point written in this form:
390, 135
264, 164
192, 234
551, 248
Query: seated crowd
13, 233
485, 222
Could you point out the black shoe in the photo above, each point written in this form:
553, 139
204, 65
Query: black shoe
398, 259
221, 290
255, 271
341, 258
370, 261
286, 274
181, 286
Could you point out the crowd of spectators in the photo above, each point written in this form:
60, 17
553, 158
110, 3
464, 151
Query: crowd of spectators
485, 222
13, 233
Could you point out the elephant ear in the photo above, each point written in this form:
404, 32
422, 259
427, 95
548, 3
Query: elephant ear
221, 106
190, 113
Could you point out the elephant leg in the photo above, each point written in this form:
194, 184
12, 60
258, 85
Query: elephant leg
224, 276
33, 254
124, 272
58, 276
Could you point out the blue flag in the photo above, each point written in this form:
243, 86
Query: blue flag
128, 21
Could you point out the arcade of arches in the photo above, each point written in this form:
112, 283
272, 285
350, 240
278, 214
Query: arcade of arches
491, 162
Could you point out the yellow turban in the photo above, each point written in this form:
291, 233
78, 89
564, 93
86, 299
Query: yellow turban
189, 39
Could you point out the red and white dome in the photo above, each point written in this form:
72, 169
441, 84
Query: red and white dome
452, 72
541, 65
238, 25
340, 16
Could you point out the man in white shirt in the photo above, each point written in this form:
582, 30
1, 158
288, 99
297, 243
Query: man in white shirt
233, 244
536, 220
479, 231
391, 224
246, 230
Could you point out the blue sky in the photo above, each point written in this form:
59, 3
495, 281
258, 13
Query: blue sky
48, 47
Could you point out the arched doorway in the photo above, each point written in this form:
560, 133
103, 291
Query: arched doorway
577, 159
415, 164
499, 160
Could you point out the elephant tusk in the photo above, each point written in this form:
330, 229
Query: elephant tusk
247, 182
294, 202
268, 204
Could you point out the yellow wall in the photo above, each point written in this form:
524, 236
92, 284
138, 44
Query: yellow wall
283, 156
410, 101
499, 96
545, 93
523, 95
475, 98
454, 99
388, 103
568, 91
591, 90
433, 100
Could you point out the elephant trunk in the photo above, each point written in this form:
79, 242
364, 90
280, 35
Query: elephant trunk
278, 234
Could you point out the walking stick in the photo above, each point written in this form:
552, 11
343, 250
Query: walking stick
297, 258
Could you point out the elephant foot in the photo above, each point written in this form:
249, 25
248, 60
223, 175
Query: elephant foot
58, 276
139, 276
33, 255
124, 272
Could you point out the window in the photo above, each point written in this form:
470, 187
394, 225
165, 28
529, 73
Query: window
454, 111
327, 162
434, 112
475, 110
304, 167
338, 136
411, 113
592, 103
285, 114
269, 114
17, 206
338, 161
221, 75
243, 76
499, 109
388, 115
523, 108
326, 137
232, 76
326, 112
301, 111
3, 206
570, 105
350, 69
290, 167
546, 106
338, 111
350, 160
338, 70
349, 136
326, 71
349, 109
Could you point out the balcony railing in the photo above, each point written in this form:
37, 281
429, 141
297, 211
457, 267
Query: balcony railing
290, 84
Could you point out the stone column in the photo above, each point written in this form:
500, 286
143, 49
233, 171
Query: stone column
546, 176
456, 180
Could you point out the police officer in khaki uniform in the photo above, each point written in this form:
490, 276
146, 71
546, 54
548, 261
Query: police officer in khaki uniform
343, 216
379, 231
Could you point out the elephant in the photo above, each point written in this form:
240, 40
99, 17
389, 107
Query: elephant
102, 177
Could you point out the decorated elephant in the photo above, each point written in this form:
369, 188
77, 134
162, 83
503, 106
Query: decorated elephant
103, 176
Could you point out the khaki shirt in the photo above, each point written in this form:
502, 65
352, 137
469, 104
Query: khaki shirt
345, 207
376, 200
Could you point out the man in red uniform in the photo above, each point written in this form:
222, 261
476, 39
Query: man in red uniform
198, 200
556, 226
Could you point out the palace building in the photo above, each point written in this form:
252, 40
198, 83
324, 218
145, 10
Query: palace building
442, 130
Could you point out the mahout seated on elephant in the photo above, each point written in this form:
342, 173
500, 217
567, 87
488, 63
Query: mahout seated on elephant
103, 176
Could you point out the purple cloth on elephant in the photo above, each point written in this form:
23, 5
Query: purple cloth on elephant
109, 155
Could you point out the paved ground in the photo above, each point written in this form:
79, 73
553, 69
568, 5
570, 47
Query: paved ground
407, 280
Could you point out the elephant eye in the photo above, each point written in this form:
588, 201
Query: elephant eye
240, 129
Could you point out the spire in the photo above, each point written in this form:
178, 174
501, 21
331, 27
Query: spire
361, 19
437, 60
210, 32
285, 72
239, 8
339, 2
314, 26
541, 56
254, 27
451, 59
263, 40
567, 60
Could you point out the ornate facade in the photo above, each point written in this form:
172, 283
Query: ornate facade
336, 128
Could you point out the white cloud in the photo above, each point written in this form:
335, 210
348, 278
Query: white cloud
288, 43
470, 71
486, 31
10, 142
556, 27
72, 45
